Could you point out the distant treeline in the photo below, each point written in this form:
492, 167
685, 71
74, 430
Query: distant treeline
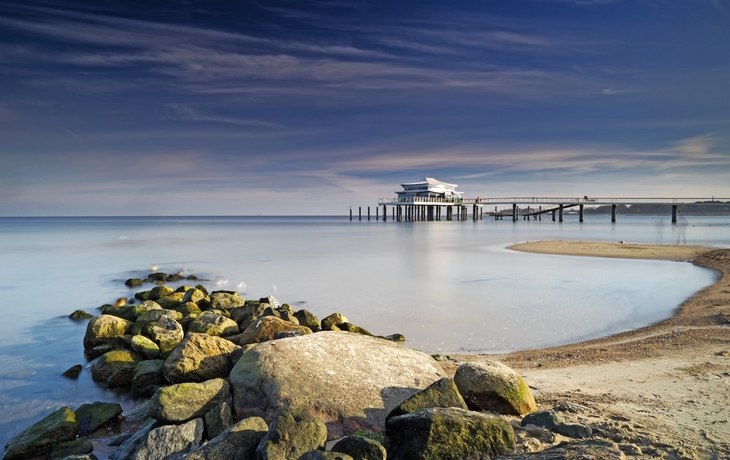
695, 209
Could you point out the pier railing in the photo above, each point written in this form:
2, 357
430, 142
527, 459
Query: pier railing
550, 200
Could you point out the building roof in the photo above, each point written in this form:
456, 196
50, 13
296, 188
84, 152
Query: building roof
430, 181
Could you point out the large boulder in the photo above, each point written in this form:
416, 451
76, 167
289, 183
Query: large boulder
145, 347
438, 433
170, 442
186, 401
287, 438
307, 318
72, 448
441, 393
144, 307
91, 417
213, 323
171, 301
144, 324
160, 291
492, 386
199, 357
120, 311
332, 321
129, 447
105, 329
148, 377
218, 420
349, 381
39, 438
268, 328
167, 333
197, 296
238, 442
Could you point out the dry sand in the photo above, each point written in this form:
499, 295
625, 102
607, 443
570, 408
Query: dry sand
662, 391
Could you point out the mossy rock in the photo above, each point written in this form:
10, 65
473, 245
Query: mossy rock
143, 295
191, 278
307, 318
441, 393
288, 438
267, 328
112, 362
226, 300
171, 301
188, 308
547, 419
394, 337
492, 386
183, 288
335, 319
160, 291
198, 297
91, 417
213, 323
145, 307
360, 448
123, 311
148, 377
352, 328
157, 276
145, 347
80, 314
186, 401
133, 282
73, 371
144, 323
105, 329
439, 433
68, 448
39, 438
174, 277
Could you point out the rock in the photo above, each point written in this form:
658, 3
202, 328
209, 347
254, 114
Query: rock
197, 296
188, 308
82, 457
349, 327
574, 430
80, 314
145, 307
121, 377
360, 448
199, 357
148, 377
73, 371
144, 324
289, 334
571, 407
111, 362
157, 276
546, 419
137, 417
91, 417
218, 420
395, 337
105, 329
37, 439
492, 386
145, 347
324, 455
133, 282
129, 447
288, 438
171, 442
439, 433
68, 448
273, 303
308, 319
160, 291
335, 319
92, 353
238, 442
123, 311
167, 334
213, 323
174, 277
594, 449
191, 277
266, 328
143, 295
171, 301
226, 301
186, 401
120, 302
349, 381
441, 393
115, 441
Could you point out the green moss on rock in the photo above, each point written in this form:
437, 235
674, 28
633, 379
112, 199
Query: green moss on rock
40, 437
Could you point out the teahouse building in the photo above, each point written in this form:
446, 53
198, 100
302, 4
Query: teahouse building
429, 188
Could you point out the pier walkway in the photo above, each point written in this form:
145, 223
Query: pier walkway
457, 208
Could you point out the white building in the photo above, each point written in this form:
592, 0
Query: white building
429, 188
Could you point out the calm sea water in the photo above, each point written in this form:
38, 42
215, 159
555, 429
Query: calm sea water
447, 286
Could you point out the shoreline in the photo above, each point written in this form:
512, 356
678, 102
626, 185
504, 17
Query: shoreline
665, 384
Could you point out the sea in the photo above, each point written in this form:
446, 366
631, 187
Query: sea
448, 286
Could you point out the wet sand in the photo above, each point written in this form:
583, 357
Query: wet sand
661, 391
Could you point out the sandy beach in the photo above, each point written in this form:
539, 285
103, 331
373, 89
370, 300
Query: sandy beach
659, 391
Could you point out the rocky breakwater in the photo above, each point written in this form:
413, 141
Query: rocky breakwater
230, 378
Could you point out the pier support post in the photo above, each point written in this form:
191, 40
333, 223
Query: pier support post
553, 215
674, 213
613, 213
385, 213
368, 213
560, 213
474, 214
514, 212
580, 218
540, 215
359, 212
350, 213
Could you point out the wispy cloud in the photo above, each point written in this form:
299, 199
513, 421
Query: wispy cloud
185, 112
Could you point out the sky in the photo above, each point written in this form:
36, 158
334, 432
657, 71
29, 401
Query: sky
287, 107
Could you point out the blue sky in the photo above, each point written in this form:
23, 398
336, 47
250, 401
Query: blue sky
292, 107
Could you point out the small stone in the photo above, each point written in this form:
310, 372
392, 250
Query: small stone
574, 430
395, 337
73, 371
335, 319
360, 448
133, 282
80, 314
271, 300
145, 347
546, 419
308, 319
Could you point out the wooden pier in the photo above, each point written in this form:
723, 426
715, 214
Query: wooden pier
417, 209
